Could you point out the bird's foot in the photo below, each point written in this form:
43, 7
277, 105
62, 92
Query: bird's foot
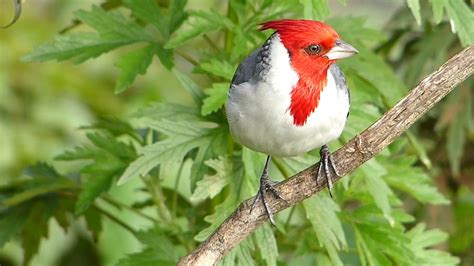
266, 185
327, 168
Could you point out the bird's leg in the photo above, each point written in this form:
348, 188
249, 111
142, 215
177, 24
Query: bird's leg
326, 167
266, 185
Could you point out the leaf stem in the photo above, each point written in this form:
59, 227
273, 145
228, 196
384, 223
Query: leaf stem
115, 219
187, 57
121, 205
159, 199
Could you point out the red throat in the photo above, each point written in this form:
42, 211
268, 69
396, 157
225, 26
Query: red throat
305, 98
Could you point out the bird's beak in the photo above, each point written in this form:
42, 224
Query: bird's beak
340, 50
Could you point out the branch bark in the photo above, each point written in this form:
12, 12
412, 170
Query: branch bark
357, 151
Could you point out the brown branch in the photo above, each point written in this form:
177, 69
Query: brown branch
357, 151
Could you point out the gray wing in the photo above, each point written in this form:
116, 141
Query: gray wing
254, 67
247, 69
340, 80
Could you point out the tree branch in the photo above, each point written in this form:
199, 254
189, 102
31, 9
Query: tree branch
357, 151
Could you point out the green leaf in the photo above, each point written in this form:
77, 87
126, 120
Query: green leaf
91, 190
401, 174
166, 21
176, 14
378, 189
159, 250
152, 115
190, 86
41, 186
265, 240
222, 211
377, 242
421, 240
315, 9
198, 23
133, 64
80, 46
12, 222
414, 6
321, 212
218, 68
461, 17
186, 136
217, 96
114, 126
147, 257
148, 11
211, 185
458, 109
438, 7
36, 226
112, 24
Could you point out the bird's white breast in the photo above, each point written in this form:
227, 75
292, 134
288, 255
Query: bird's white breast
259, 116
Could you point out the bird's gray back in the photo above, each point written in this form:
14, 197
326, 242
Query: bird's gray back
253, 67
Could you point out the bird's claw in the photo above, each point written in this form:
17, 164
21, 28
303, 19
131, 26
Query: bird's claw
266, 185
326, 168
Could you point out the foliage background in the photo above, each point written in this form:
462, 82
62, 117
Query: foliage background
70, 129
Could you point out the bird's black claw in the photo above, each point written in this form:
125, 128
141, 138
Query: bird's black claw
326, 168
266, 185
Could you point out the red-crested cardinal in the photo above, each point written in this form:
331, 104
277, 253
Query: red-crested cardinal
289, 97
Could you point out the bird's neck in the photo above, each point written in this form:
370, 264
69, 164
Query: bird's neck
306, 93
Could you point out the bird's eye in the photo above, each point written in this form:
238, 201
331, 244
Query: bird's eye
313, 49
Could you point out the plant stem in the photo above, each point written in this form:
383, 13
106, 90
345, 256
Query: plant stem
119, 205
187, 57
159, 199
115, 219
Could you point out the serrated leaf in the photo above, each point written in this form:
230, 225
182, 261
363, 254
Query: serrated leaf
266, 242
414, 6
147, 257
421, 240
217, 96
36, 228
160, 243
148, 11
198, 23
222, 211
218, 68
176, 14
384, 241
315, 9
401, 174
78, 46
42, 186
158, 111
378, 189
114, 126
321, 213
91, 189
12, 222
211, 185
185, 137
112, 24
133, 64
190, 86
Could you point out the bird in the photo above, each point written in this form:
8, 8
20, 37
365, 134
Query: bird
289, 97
